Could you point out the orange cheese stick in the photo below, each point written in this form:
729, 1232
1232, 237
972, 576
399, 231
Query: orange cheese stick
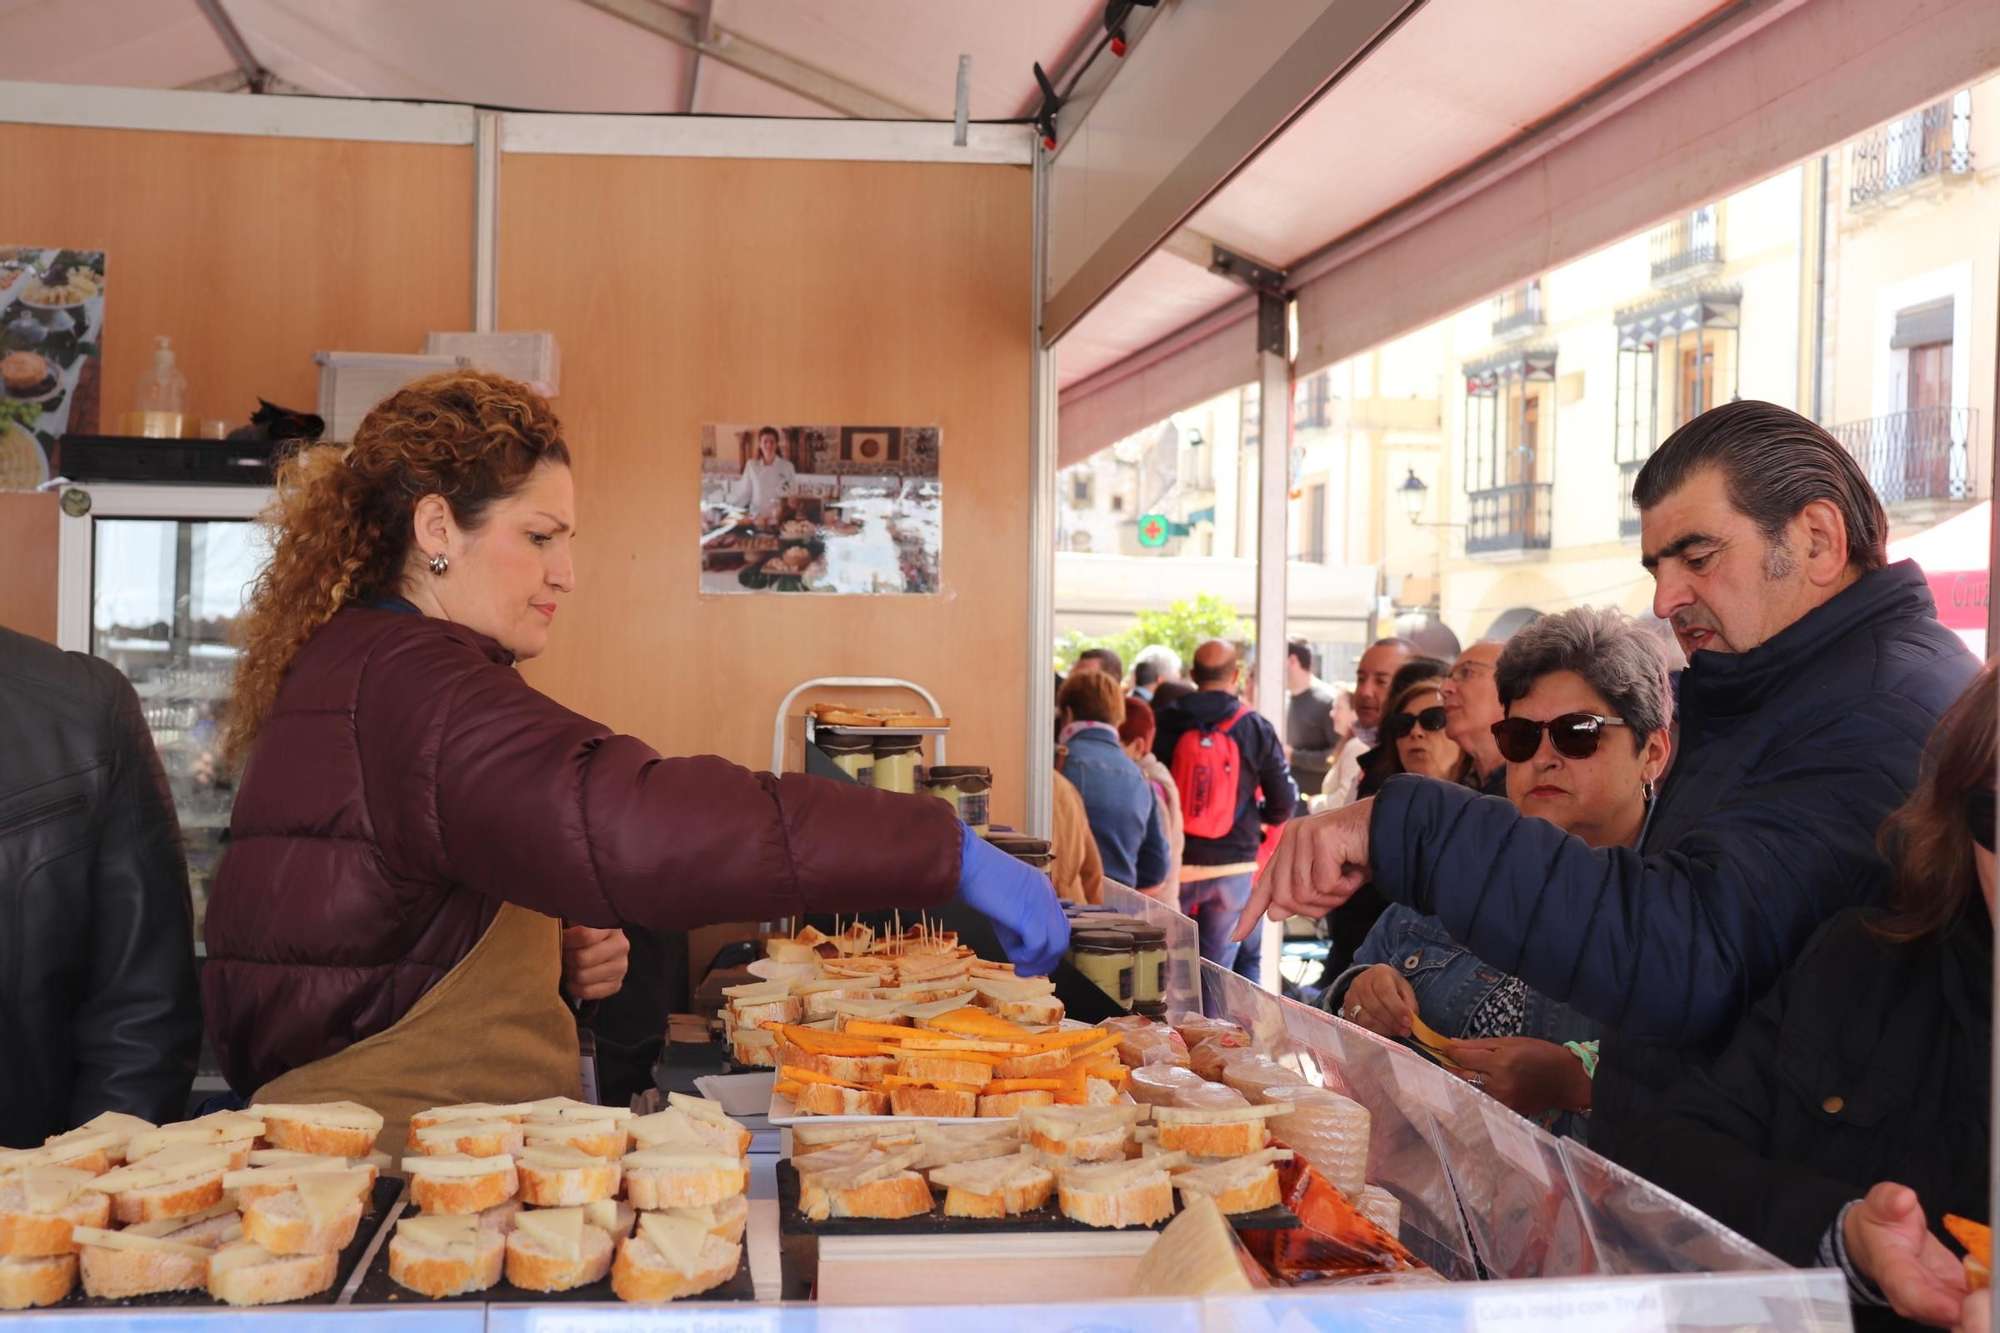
970, 1022
933, 1041
1049, 1041
785, 1087
806, 1076
899, 1081
821, 1042
1000, 1085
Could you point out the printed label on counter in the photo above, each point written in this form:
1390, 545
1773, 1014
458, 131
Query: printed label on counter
1621, 1308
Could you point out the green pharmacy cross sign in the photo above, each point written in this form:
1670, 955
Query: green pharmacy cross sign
1154, 529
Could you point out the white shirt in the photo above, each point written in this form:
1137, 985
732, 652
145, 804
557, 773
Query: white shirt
1345, 775
763, 485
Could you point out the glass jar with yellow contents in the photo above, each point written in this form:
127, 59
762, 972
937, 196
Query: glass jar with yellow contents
896, 761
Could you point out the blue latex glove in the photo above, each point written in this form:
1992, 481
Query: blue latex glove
1020, 902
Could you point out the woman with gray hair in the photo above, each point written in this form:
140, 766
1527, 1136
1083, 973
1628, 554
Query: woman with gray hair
1586, 735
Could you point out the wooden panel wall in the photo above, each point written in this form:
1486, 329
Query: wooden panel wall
251, 253
685, 291
28, 546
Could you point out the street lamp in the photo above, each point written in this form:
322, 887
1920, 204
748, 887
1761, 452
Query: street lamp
1414, 493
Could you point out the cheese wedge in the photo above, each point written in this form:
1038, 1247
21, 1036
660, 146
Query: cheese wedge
559, 1230
557, 1157
681, 1159
256, 1176
441, 1231
699, 1107
221, 1127
166, 1226
606, 1215
182, 1162
238, 1254
333, 1115
115, 1122
564, 1131
1062, 1123
1196, 1255
760, 992
1228, 1115
327, 1196
475, 1111
456, 1166
678, 1239
62, 1148
131, 1239
291, 1157
1105, 1177
48, 1189
665, 1129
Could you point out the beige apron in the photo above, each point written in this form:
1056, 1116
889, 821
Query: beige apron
493, 1029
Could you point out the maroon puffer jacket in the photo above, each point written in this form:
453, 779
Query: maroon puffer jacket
408, 780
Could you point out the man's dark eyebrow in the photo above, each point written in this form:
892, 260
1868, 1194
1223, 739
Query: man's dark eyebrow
1675, 548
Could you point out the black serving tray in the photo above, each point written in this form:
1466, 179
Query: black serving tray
1047, 1219
378, 1288
381, 1203
87, 458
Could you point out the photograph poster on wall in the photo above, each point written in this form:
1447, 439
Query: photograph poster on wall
51, 330
826, 509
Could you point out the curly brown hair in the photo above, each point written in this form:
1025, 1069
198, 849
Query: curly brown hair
1928, 840
343, 522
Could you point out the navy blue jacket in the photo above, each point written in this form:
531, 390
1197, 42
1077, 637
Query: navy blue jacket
1264, 767
1790, 757
1124, 817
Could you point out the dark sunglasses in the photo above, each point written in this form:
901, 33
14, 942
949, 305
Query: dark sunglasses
1979, 815
1575, 735
1400, 725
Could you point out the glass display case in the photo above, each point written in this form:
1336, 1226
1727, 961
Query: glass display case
153, 579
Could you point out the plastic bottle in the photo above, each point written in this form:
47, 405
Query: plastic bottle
163, 388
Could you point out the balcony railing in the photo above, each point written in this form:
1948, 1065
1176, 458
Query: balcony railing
1518, 311
1688, 247
1932, 143
1919, 455
1510, 518
1312, 403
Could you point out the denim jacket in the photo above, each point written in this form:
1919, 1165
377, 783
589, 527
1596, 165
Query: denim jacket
1124, 817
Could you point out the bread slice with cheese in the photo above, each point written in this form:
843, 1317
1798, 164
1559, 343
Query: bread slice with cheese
175, 1182
39, 1208
254, 1182
123, 1127
943, 1103
470, 1138
1007, 1105
1224, 1132
477, 1111
1082, 1133
831, 1099
681, 1177
117, 1265
1246, 1184
31, 1281
615, 1217
711, 1123
809, 1139
554, 1249
1197, 1254
445, 1255
235, 1132
318, 1215
861, 1180
1138, 1192
867, 1069
328, 1129
77, 1150
947, 1145
670, 1258
455, 1183
599, 1138
211, 1229
725, 1220
245, 1273
556, 1175
754, 1047
995, 1186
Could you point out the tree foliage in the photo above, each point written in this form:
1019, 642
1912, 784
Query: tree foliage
1182, 627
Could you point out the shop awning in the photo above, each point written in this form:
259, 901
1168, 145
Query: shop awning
1954, 557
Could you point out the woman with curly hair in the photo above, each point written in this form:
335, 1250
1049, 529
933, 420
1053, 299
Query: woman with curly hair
414, 820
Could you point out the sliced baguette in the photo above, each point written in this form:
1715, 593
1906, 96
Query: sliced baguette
1007, 1105
725, 1220
234, 1131
653, 1184
446, 1255
482, 1111
535, 1262
599, 1138
810, 1139
846, 1068
826, 1099
555, 1175
245, 1273
943, 1068
470, 1138
453, 1183
937, 1102
287, 1222
861, 1180
40, 1206
995, 1187
615, 1217
122, 1126
1244, 1184
325, 1129
117, 1265
27, 1282
643, 1276
1120, 1194
710, 1123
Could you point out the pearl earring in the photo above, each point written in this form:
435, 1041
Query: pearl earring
440, 563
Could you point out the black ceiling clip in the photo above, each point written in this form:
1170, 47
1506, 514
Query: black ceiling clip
1115, 14
1045, 115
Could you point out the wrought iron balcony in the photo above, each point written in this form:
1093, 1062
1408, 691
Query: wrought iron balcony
1519, 312
1510, 518
1926, 145
1687, 248
1914, 456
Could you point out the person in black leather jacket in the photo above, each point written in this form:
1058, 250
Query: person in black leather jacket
1816, 671
98, 1006
1850, 1114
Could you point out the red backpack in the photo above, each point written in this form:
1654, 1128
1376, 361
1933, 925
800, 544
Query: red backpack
1207, 765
